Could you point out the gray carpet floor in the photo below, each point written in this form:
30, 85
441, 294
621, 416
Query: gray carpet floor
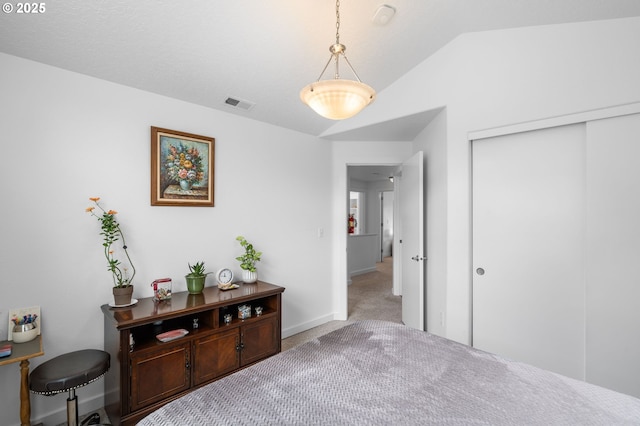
370, 297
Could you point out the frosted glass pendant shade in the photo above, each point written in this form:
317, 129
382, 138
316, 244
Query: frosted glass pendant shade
337, 99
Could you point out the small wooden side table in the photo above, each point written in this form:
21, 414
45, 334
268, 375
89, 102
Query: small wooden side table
22, 352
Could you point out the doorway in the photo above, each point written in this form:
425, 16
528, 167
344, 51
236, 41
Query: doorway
356, 208
409, 263
371, 247
386, 224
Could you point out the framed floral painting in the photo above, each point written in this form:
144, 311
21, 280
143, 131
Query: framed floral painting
182, 168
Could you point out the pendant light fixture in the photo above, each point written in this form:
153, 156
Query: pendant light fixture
337, 98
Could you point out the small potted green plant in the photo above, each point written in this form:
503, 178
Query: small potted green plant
248, 261
196, 278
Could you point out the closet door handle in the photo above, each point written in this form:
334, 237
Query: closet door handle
480, 271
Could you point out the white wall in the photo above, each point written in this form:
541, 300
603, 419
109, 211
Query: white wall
496, 78
67, 137
361, 254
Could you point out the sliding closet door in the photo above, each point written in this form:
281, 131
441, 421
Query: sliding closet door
528, 247
613, 254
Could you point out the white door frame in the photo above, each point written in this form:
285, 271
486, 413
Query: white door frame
340, 232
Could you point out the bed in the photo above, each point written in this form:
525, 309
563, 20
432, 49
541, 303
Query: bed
376, 372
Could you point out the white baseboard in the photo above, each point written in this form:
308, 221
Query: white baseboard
290, 331
362, 271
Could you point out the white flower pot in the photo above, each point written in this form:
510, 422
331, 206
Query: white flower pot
249, 277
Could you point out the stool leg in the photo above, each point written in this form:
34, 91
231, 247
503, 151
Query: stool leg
25, 402
72, 408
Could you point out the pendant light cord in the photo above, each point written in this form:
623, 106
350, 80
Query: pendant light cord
337, 21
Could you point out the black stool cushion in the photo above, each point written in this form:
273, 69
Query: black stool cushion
69, 371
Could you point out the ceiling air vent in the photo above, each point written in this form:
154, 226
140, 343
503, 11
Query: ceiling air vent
239, 103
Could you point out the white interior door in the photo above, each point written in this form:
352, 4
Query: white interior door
528, 247
411, 206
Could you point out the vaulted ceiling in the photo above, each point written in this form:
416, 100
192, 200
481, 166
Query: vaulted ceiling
263, 52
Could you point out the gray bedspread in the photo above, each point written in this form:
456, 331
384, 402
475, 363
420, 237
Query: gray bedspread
375, 372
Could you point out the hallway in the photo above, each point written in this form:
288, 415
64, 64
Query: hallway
370, 295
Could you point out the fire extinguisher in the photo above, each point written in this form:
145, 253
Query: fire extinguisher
352, 224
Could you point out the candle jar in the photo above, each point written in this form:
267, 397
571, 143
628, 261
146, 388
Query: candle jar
161, 289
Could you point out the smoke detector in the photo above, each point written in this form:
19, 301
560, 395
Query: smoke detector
383, 14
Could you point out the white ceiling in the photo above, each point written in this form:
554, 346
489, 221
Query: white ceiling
203, 51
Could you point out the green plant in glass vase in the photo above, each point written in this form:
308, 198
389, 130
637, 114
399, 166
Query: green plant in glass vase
111, 232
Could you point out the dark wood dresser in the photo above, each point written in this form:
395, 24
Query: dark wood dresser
146, 373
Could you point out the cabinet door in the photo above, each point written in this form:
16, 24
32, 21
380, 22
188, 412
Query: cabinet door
260, 340
158, 374
216, 355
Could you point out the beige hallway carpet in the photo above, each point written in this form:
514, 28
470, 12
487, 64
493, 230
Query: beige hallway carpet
370, 297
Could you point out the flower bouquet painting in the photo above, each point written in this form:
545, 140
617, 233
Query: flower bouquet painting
181, 168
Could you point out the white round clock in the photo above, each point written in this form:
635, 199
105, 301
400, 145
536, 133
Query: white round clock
224, 276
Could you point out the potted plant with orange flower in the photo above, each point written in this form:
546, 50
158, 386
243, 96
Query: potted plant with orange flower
111, 232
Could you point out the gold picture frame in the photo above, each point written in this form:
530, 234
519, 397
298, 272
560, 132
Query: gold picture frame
182, 169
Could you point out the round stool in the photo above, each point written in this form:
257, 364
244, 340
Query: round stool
67, 373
